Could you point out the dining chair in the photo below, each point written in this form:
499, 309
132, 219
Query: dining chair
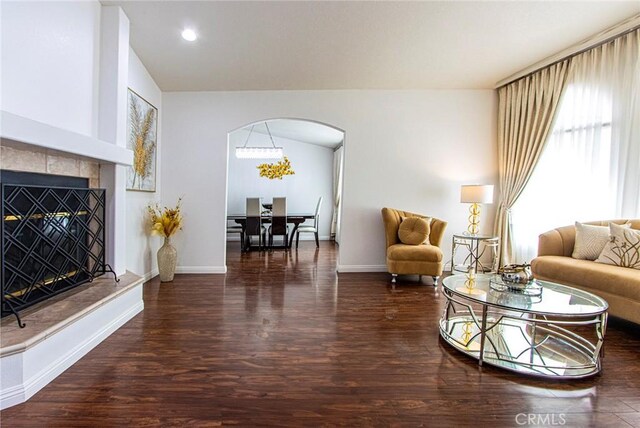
311, 229
231, 229
279, 222
253, 225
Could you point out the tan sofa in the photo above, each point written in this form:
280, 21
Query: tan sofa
402, 259
619, 286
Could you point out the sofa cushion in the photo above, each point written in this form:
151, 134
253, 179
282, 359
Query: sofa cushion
414, 230
414, 253
623, 249
591, 275
590, 241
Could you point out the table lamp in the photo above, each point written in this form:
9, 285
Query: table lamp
475, 194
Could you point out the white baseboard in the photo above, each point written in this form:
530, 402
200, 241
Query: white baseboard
150, 275
361, 268
201, 269
61, 350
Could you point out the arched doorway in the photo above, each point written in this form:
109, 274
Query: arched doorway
315, 151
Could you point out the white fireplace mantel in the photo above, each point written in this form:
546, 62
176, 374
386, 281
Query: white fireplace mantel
32, 132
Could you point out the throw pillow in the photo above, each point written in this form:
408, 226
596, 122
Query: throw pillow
590, 241
414, 230
623, 248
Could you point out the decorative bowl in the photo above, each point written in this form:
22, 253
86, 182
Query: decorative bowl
516, 274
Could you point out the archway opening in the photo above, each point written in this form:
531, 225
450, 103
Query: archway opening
311, 169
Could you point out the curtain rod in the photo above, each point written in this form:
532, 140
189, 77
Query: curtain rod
625, 27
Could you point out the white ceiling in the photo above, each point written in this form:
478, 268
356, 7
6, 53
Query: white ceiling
356, 45
301, 130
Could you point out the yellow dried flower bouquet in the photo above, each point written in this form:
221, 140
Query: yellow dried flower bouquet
165, 222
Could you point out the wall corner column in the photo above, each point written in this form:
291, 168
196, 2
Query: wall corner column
112, 123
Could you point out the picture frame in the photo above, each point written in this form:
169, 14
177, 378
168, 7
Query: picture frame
142, 136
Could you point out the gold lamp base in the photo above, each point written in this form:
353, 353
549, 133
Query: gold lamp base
469, 285
474, 219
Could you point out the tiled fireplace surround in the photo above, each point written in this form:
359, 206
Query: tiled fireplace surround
45, 161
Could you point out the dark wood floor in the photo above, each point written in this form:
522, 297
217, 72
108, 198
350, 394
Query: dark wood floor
282, 340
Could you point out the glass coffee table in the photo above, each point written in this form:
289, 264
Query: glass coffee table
553, 331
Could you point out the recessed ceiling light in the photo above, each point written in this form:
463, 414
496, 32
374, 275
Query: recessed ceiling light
189, 35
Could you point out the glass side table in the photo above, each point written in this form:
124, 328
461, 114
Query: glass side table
476, 246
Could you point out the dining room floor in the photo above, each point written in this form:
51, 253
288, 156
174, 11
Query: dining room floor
283, 340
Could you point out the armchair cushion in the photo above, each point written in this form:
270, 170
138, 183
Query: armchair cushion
392, 218
414, 230
408, 253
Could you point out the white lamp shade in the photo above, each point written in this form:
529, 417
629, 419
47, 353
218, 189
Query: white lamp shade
476, 194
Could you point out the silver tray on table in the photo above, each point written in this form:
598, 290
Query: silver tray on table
532, 288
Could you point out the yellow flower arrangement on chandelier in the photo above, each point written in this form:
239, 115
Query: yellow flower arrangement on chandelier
276, 170
165, 222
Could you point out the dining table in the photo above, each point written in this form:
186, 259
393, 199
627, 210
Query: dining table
295, 219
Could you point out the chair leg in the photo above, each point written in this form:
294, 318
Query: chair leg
435, 281
394, 277
285, 240
317, 240
297, 239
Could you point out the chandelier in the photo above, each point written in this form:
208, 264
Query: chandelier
267, 152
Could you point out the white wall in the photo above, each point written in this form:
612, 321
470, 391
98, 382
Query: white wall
403, 149
141, 247
50, 60
313, 166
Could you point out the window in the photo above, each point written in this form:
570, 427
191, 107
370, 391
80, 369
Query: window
573, 179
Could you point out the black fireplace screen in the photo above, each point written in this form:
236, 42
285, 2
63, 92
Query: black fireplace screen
53, 239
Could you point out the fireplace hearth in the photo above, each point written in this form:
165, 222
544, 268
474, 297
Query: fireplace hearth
52, 238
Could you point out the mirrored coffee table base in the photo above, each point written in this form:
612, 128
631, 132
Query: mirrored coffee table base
528, 343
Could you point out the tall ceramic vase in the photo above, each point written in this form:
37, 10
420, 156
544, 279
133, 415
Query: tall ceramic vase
167, 258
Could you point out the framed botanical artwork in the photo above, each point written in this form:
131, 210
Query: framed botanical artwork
142, 124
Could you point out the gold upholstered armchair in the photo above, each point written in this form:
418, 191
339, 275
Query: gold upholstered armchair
413, 244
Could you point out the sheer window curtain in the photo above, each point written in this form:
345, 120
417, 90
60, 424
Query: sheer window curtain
590, 166
337, 192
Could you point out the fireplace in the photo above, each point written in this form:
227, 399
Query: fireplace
52, 238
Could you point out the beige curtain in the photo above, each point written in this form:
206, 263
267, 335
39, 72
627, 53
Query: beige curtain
526, 110
337, 192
